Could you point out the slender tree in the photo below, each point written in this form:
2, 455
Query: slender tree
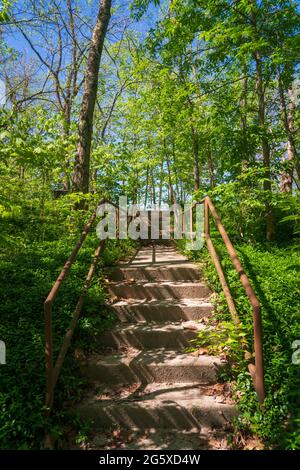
81, 177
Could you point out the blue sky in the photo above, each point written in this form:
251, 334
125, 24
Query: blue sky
121, 9
17, 42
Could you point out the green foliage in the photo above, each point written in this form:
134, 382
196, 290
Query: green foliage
36, 249
139, 7
4, 10
241, 204
224, 338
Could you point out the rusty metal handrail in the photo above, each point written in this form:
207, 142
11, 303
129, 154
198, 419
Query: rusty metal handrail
53, 371
257, 369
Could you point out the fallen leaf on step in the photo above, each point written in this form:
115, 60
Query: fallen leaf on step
223, 357
104, 396
220, 399
218, 444
248, 356
190, 325
216, 389
200, 352
253, 444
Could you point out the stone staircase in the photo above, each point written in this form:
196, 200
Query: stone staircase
143, 383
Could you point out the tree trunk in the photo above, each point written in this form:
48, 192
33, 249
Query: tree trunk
288, 121
244, 123
85, 126
160, 183
211, 168
265, 145
175, 168
147, 186
196, 159
172, 195
66, 135
153, 187
135, 192
181, 192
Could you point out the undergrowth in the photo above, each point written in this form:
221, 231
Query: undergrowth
33, 252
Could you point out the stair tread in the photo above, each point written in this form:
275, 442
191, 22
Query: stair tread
157, 327
166, 439
158, 290
195, 302
157, 356
149, 366
152, 401
160, 311
160, 265
157, 283
176, 409
164, 391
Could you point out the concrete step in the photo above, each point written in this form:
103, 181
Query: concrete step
178, 408
149, 385
159, 311
153, 255
158, 439
158, 290
159, 366
183, 271
151, 336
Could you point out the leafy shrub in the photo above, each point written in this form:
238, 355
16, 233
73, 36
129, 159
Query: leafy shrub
30, 261
241, 205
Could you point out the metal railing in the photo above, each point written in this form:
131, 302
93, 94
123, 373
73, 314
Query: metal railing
256, 370
53, 370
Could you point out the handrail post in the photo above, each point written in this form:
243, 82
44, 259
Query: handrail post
118, 224
48, 354
206, 213
191, 224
